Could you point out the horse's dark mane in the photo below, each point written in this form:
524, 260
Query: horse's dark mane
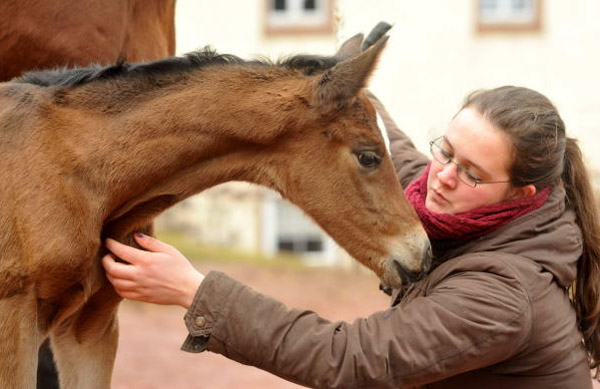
308, 64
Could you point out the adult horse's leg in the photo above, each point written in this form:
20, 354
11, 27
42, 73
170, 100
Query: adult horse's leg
20, 339
85, 345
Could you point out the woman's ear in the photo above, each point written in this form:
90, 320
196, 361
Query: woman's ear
524, 191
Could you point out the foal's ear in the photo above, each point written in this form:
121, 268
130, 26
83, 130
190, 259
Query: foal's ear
338, 85
350, 48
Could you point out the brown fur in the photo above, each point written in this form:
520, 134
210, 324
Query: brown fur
103, 158
44, 34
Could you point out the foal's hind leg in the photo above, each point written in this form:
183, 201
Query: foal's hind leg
85, 346
19, 341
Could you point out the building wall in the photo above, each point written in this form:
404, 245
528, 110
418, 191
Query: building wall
228, 215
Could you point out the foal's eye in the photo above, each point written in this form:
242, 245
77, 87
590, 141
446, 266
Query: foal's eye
368, 159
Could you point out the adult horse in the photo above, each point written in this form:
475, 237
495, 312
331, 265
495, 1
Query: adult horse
91, 153
45, 34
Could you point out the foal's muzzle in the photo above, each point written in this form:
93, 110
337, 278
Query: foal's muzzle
409, 276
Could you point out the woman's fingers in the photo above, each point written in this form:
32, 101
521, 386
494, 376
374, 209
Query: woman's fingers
158, 274
125, 252
122, 278
151, 244
134, 255
117, 270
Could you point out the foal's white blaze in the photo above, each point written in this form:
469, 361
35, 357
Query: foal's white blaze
384, 132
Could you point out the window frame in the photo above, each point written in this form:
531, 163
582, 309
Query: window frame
325, 27
535, 25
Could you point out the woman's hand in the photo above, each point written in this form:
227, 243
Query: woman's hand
160, 275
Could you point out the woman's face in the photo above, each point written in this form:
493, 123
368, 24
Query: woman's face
473, 142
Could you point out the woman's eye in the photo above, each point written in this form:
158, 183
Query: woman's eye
471, 176
446, 154
368, 159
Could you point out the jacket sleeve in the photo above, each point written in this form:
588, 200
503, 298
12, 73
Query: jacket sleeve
409, 163
468, 321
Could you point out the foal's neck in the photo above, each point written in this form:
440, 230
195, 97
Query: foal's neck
204, 129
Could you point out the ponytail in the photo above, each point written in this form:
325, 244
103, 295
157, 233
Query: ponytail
585, 291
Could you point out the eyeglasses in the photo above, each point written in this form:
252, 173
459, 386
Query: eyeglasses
464, 174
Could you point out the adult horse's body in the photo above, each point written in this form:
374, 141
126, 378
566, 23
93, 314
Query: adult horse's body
44, 34
92, 153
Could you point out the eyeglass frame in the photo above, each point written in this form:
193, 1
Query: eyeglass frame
460, 167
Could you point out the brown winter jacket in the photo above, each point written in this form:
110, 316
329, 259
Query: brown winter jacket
493, 313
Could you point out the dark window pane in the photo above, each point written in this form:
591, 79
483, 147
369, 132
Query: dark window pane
285, 245
314, 245
279, 5
310, 4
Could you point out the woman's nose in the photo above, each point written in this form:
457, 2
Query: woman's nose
448, 174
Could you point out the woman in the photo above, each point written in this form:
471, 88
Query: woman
511, 302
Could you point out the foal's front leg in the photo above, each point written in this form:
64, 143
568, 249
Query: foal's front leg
20, 339
86, 345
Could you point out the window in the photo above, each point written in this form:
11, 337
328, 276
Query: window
299, 16
301, 244
508, 15
279, 5
296, 232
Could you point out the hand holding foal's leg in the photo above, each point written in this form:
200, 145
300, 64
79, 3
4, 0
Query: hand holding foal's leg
160, 275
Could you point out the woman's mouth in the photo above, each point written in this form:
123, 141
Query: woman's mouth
438, 197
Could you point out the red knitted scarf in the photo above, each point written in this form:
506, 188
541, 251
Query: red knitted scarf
474, 223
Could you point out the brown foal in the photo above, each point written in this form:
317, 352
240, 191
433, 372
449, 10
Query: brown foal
98, 152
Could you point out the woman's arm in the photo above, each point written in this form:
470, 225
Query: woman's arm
468, 321
452, 331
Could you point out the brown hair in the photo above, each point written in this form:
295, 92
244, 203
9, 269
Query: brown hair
543, 155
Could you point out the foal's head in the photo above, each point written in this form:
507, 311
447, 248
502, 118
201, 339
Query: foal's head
334, 165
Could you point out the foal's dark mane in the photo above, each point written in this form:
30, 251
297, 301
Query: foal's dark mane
307, 64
